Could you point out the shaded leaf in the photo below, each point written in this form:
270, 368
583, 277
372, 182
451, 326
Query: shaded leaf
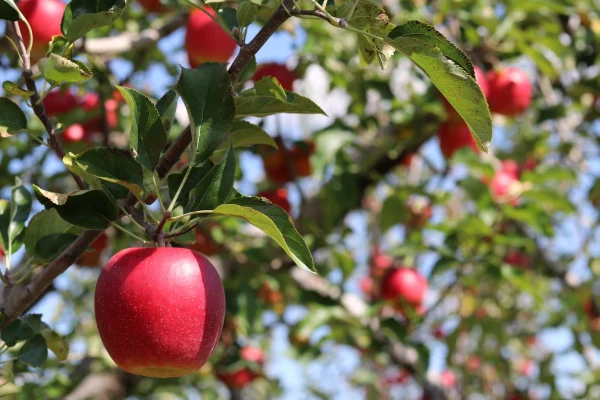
166, 106
243, 134
215, 187
34, 352
9, 11
89, 209
47, 223
12, 118
81, 16
207, 94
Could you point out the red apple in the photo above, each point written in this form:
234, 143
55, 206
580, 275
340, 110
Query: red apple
526, 367
510, 91
2, 252
159, 311
511, 167
252, 354
519, 259
152, 5
367, 286
237, 379
205, 40
530, 164
447, 379
301, 158
59, 102
501, 184
205, 244
90, 102
74, 133
407, 161
276, 166
380, 263
453, 136
482, 80
404, 284
92, 259
280, 72
45, 17
279, 197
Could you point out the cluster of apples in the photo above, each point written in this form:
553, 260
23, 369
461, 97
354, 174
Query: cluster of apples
509, 92
58, 103
401, 286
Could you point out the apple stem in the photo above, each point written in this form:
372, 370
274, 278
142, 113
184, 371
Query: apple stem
159, 230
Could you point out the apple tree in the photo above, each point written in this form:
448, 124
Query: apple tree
186, 212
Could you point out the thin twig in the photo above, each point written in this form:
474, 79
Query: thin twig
38, 106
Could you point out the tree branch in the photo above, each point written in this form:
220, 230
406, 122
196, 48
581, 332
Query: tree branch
38, 106
19, 298
127, 42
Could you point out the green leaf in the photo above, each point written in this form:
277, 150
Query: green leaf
14, 89
269, 98
369, 17
452, 80
9, 11
34, 352
246, 12
243, 134
207, 94
166, 106
21, 329
216, 186
58, 70
423, 33
81, 16
56, 343
196, 175
112, 165
148, 137
48, 224
13, 215
275, 222
89, 209
12, 118
61, 46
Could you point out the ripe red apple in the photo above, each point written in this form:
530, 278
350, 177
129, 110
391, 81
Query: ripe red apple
501, 184
205, 244
45, 17
407, 161
205, 40
92, 259
380, 263
519, 259
90, 102
59, 102
511, 167
252, 354
159, 311
237, 379
279, 197
453, 136
510, 91
152, 5
482, 80
404, 284
74, 133
280, 72
2, 252
447, 379
300, 154
367, 286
